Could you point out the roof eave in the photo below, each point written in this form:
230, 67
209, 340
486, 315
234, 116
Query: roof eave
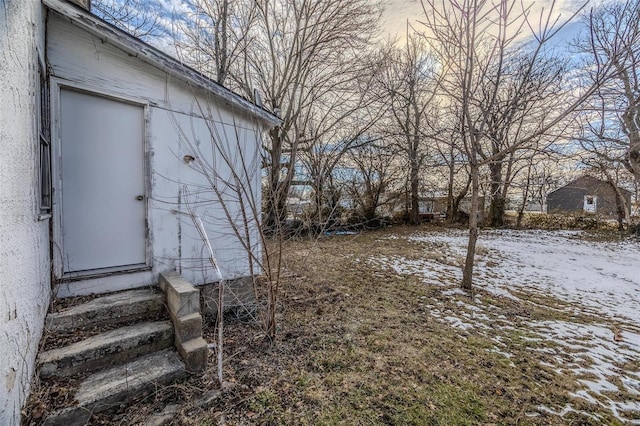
156, 58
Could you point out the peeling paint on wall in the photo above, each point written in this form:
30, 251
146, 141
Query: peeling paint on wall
24, 240
11, 379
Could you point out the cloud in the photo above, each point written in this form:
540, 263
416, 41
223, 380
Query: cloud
398, 12
178, 7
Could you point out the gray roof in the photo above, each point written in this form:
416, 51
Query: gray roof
156, 58
581, 179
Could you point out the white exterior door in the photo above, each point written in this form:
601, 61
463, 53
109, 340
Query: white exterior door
103, 202
590, 203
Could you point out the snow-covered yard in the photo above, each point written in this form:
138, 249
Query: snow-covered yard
594, 280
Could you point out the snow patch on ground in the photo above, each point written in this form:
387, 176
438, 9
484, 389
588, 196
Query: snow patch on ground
597, 360
597, 278
604, 276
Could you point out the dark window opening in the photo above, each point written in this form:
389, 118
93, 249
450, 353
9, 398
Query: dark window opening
44, 127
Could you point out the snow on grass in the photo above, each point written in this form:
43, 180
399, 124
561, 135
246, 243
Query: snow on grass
595, 277
430, 271
597, 359
602, 275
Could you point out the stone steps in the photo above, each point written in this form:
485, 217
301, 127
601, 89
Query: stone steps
112, 387
114, 348
112, 309
106, 349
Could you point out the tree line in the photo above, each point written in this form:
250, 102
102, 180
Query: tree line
475, 102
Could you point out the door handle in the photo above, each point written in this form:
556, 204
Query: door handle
140, 197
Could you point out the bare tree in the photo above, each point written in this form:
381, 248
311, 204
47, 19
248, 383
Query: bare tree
335, 123
472, 40
450, 166
139, 18
408, 87
612, 124
530, 187
537, 88
298, 55
375, 172
607, 152
215, 36
301, 62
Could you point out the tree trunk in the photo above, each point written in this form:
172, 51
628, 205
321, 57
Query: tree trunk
451, 212
630, 122
275, 205
620, 213
496, 210
525, 195
221, 48
523, 206
318, 200
498, 202
467, 274
415, 195
622, 207
453, 208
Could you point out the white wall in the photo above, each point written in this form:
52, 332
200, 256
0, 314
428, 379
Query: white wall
170, 174
178, 125
24, 246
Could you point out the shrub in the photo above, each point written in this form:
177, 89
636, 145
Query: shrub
566, 221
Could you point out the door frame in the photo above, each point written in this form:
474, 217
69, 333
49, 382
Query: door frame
56, 86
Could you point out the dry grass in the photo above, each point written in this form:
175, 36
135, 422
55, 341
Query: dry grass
359, 345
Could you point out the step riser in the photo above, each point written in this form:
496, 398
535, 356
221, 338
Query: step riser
117, 347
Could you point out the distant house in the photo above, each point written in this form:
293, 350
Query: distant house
94, 126
440, 204
586, 195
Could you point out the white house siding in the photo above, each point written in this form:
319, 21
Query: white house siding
174, 116
24, 246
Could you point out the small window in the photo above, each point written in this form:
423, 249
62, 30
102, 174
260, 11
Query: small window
589, 199
44, 129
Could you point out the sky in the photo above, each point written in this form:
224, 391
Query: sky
398, 12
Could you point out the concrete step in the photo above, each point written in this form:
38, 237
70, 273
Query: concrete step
110, 348
112, 309
118, 385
